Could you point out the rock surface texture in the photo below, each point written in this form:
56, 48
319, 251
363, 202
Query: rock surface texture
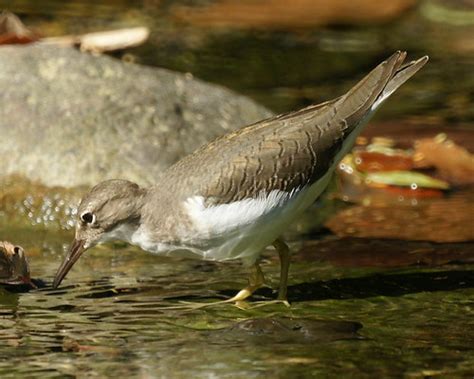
70, 119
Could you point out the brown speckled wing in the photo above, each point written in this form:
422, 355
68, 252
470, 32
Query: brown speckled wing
285, 152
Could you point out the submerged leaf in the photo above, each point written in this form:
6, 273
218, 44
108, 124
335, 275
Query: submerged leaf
453, 162
407, 179
378, 161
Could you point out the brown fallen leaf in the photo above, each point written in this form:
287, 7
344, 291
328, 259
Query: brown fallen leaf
13, 31
284, 14
453, 162
375, 161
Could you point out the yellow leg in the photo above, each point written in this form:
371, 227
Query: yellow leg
284, 253
256, 280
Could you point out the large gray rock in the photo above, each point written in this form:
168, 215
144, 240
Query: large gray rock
69, 119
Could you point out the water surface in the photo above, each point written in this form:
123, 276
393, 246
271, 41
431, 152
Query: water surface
360, 307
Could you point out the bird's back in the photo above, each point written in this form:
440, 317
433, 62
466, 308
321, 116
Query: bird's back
287, 151
236, 195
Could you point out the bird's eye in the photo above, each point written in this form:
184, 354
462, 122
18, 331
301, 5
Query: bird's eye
88, 218
17, 250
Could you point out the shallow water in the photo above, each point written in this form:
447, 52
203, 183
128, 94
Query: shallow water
360, 307
110, 317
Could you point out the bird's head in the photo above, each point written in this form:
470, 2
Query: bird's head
108, 206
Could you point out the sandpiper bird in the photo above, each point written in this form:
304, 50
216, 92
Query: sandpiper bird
235, 196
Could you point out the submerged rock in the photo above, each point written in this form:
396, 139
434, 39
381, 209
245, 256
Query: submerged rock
289, 330
70, 119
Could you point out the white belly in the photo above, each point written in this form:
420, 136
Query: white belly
240, 230
250, 240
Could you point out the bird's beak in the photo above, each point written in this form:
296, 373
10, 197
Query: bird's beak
75, 251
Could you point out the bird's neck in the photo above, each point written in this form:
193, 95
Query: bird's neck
129, 218
123, 232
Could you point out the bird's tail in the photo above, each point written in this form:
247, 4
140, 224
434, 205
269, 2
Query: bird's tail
401, 75
367, 95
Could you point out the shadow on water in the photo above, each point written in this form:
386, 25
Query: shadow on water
378, 284
382, 285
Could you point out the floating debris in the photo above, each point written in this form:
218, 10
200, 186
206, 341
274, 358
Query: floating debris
381, 171
402, 193
14, 267
100, 42
12, 30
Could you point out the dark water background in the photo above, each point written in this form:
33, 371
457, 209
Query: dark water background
409, 315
